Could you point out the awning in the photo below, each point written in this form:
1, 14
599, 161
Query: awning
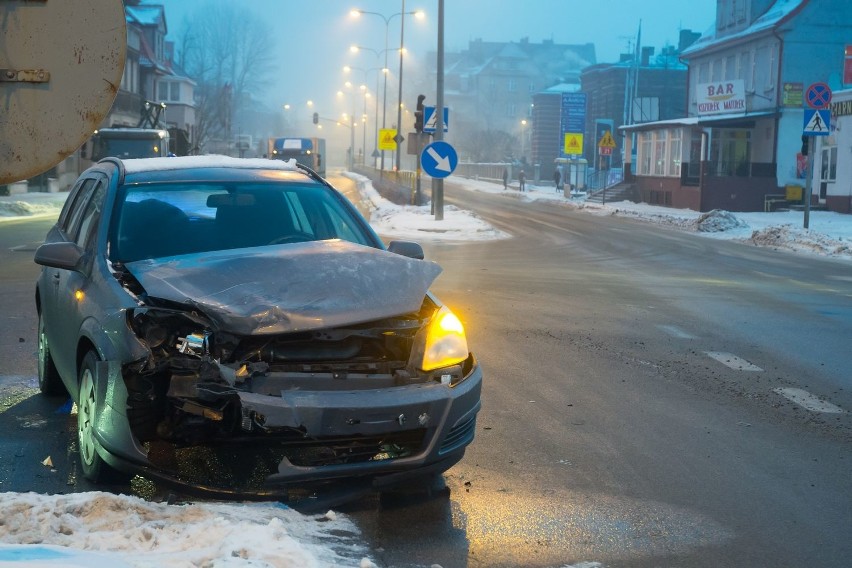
732, 120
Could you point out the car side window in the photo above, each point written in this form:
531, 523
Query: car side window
90, 217
73, 203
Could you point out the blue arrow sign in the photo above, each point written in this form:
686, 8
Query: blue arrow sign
439, 159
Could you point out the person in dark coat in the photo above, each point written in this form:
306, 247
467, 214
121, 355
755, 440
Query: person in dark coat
505, 178
521, 179
557, 178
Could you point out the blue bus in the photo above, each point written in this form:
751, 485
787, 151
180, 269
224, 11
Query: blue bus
307, 151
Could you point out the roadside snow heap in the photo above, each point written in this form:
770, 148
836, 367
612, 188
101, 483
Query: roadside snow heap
717, 221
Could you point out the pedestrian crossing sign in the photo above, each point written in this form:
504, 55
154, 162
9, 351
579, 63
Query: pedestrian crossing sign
573, 143
817, 122
387, 139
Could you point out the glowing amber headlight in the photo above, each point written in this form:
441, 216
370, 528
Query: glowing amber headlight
445, 342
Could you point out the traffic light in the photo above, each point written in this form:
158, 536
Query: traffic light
316, 118
418, 114
804, 145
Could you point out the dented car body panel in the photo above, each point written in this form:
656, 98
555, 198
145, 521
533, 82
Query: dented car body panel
239, 352
305, 286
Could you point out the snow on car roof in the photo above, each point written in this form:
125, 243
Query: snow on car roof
209, 161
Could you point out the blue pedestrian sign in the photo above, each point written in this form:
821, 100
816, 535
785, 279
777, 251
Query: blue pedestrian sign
817, 122
430, 119
439, 159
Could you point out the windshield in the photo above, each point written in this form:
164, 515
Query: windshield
160, 220
127, 148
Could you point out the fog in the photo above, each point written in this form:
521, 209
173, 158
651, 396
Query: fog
312, 42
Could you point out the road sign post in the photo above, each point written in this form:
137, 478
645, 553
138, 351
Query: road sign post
817, 123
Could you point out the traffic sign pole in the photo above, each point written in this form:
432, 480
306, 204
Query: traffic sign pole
808, 181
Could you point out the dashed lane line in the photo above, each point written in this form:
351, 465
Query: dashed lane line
732, 361
808, 401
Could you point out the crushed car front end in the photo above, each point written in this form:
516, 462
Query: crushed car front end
251, 385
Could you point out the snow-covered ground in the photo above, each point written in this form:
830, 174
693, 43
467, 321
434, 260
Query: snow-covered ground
105, 530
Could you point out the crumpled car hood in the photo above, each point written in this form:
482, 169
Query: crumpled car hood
297, 287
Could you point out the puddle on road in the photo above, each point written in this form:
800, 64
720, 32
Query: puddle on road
505, 526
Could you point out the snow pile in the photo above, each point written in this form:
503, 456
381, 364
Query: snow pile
46, 204
803, 240
417, 222
127, 531
717, 221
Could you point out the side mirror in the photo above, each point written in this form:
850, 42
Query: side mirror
406, 248
63, 255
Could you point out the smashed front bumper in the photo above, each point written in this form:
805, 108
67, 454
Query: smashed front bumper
381, 436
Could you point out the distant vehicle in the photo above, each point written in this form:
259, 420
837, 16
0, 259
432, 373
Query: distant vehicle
307, 151
129, 143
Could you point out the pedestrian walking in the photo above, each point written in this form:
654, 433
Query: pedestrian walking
557, 178
521, 180
505, 178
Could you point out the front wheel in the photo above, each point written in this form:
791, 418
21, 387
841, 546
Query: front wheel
95, 469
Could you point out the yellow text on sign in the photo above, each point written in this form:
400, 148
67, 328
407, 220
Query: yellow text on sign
386, 139
573, 143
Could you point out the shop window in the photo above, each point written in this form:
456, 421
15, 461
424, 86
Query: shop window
660, 152
828, 169
644, 153
729, 152
675, 151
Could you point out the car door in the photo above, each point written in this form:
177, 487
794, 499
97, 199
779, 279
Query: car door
72, 285
49, 279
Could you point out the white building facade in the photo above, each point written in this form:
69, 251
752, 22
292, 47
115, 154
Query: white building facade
739, 147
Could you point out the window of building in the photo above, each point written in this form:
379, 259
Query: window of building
729, 152
513, 85
675, 151
169, 91
511, 109
716, 70
645, 139
730, 67
773, 61
828, 169
704, 72
660, 140
752, 76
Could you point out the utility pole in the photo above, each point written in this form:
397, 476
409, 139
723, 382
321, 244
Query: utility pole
438, 183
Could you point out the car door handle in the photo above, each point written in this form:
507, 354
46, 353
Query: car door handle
56, 278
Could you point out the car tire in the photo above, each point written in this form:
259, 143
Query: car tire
95, 469
49, 381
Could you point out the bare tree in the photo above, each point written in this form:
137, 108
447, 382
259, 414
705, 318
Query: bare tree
228, 51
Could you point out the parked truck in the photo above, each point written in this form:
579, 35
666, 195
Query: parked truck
307, 151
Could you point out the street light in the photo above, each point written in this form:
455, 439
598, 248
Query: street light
523, 138
349, 69
416, 13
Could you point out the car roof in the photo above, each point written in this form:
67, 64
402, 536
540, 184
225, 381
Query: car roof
212, 168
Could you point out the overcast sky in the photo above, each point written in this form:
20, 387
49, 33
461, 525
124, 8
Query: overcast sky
326, 27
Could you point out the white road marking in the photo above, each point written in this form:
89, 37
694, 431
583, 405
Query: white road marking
809, 401
732, 361
676, 332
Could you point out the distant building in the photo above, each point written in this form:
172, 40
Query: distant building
737, 148
490, 86
636, 89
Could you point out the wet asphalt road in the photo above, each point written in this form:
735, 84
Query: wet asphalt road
607, 432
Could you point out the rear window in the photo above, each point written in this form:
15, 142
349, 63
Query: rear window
169, 219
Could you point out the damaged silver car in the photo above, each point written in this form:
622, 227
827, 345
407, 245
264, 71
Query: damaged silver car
236, 326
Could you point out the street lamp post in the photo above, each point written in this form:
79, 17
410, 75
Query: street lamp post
523, 138
387, 19
348, 69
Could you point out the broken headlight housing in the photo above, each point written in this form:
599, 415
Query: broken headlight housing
441, 343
